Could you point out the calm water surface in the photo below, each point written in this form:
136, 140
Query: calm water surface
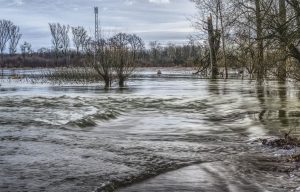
172, 133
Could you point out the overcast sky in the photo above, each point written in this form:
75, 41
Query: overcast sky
161, 20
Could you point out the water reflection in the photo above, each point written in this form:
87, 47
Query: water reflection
282, 113
260, 92
279, 107
225, 90
213, 87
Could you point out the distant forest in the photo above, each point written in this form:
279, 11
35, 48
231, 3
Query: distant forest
170, 55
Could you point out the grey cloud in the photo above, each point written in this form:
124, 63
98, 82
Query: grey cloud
159, 1
154, 19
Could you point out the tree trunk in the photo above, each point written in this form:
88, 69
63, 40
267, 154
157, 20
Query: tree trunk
294, 51
213, 58
107, 83
296, 7
282, 114
259, 40
56, 59
77, 50
223, 39
282, 33
2, 64
121, 83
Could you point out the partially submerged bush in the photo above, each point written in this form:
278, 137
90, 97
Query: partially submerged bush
287, 142
76, 75
115, 58
294, 158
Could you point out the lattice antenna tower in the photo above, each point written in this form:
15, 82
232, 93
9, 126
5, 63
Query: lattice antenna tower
96, 11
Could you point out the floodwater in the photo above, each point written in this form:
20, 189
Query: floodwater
168, 133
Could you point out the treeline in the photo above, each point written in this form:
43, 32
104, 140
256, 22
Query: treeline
170, 55
260, 36
63, 54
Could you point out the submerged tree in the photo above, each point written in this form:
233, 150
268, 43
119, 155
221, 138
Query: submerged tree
220, 11
126, 49
281, 23
263, 35
115, 58
259, 39
99, 57
249, 26
213, 38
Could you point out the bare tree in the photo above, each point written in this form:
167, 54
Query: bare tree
137, 45
5, 27
282, 20
224, 17
14, 38
221, 7
294, 33
125, 49
281, 24
100, 58
79, 37
26, 49
60, 39
213, 42
155, 48
259, 39
119, 40
114, 58
262, 35
245, 51
65, 40
55, 29
295, 5
250, 21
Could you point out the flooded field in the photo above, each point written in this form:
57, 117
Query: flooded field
170, 133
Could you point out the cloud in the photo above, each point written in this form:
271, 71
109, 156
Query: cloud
129, 2
17, 3
160, 1
162, 20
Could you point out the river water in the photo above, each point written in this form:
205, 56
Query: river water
170, 133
